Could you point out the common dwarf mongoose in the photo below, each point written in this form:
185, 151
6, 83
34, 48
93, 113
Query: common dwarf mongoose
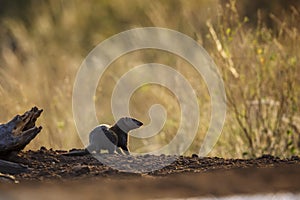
105, 137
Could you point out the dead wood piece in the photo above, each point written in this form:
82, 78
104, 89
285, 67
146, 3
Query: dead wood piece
7, 167
6, 178
18, 132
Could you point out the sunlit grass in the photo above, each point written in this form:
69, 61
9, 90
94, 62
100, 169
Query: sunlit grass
41, 53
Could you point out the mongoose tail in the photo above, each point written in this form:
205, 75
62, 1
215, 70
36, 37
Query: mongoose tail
82, 152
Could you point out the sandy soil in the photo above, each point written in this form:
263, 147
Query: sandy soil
55, 176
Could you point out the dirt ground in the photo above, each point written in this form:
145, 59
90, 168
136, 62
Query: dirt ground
53, 175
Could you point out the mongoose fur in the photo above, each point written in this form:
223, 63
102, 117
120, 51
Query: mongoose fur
111, 138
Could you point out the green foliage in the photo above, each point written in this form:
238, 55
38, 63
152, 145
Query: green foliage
264, 97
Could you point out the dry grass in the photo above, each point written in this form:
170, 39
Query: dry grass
42, 51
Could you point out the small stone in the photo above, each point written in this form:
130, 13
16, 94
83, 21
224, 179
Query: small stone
194, 155
266, 156
81, 169
146, 155
295, 158
43, 148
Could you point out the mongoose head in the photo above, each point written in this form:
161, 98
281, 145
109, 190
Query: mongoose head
127, 124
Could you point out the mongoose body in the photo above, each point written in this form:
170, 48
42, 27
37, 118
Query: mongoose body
111, 138
102, 137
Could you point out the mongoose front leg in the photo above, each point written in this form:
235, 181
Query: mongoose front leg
119, 151
126, 151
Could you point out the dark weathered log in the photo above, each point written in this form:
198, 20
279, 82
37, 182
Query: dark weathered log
7, 167
14, 136
17, 133
5, 178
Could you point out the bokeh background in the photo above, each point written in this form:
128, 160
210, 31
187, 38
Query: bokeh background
255, 44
